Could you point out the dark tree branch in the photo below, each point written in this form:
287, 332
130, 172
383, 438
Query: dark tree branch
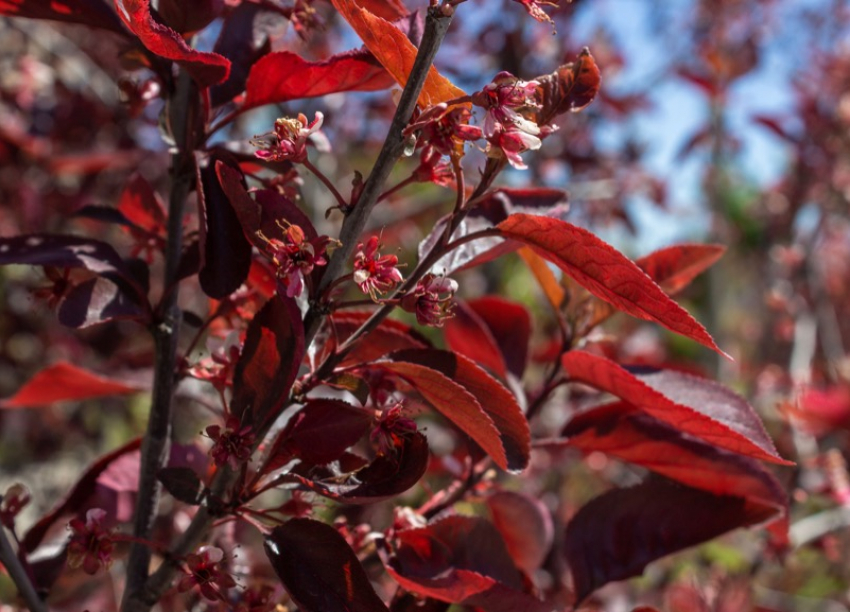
18, 574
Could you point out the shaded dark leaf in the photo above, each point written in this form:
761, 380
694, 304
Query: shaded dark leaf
94, 13
66, 382
318, 568
468, 335
268, 365
319, 433
459, 559
696, 406
226, 253
510, 325
616, 535
385, 477
97, 300
183, 484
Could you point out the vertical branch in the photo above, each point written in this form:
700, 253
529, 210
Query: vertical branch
146, 593
165, 330
18, 574
436, 26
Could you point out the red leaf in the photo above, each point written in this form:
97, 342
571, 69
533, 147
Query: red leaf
94, 13
696, 406
65, 382
206, 68
673, 268
615, 535
385, 9
268, 365
141, 205
495, 400
225, 251
385, 477
284, 76
776, 127
393, 49
318, 568
468, 335
389, 336
603, 271
620, 430
525, 525
319, 433
463, 560
510, 324
454, 402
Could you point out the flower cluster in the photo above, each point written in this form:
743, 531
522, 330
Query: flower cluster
391, 426
374, 273
204, 570
431, 300
443, 130
232, 445
295, 256
289, 140
510, 103
91, 543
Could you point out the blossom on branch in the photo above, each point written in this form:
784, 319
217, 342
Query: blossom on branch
295, 256
289, 140
204, 570
233, 444
432, 300
374, 273
443, 130
91, 543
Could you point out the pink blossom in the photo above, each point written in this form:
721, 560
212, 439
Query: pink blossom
431, 300
233, 445
295, 256
204, 570
374, 273
91, 543
443, 130
390, 429
289, 139
434, 168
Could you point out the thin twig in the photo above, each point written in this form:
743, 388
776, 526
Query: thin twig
18, 574
436, 27
165, 330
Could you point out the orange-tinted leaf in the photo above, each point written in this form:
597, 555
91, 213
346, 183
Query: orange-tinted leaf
622, 431
66, 382
552, 289
206, 68
318, 568
696, 406
604, 271
454, 402
495, 400
385, 9
393, 49
284, 76
673, 268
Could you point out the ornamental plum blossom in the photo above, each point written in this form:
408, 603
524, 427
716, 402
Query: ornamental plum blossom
91, 543
510, 103
233, 445
391, 427
431, 300
434, 168
443, 130
375, 274
204, 570
295, 256
289, 140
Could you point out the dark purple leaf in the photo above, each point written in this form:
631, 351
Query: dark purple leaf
319, 570
183, 484
94, 13
226, 253
97, 300
617, 534
268, 365
385, 477
510, 325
